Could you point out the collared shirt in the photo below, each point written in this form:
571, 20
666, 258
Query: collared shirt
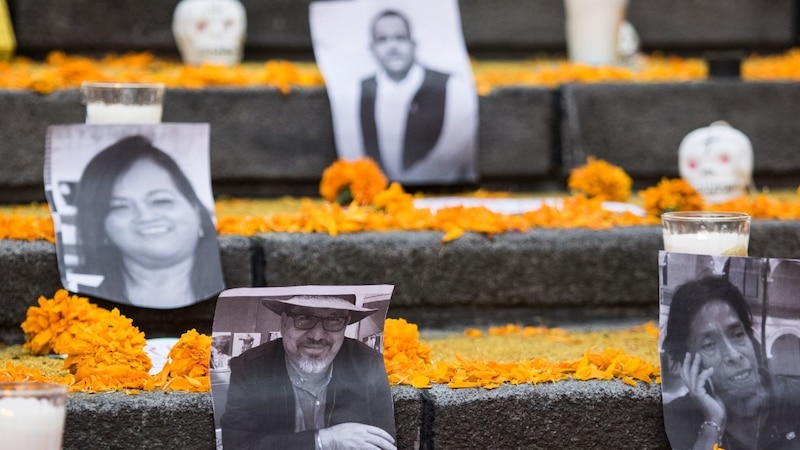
454, 158
392, 102
309, 399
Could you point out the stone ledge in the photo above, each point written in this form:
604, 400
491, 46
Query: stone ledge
639, 126
562, 415
152, 420
698, 25
264, 143
541, 268
560, 275
280, 27
179, 420
31, 271
568, 414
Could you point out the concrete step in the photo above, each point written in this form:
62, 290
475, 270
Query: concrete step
559, 275
513, 27
264, 143
553, 416
640, 126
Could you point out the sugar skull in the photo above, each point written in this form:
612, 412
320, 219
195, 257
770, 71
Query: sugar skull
210, 31
717, 161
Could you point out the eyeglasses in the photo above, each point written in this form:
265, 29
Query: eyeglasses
308, 321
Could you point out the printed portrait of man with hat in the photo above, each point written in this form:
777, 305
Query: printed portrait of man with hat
312, 388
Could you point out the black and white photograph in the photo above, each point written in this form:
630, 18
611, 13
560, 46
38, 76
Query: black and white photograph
315, 378
401, 88
243, 342
730, 351
133, 212
221, 350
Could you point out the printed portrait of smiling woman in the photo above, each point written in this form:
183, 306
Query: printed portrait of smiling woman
141, 226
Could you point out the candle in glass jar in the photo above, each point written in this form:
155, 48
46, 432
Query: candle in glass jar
592, 30
711, 243
122, 103
105, 113
706, 232
31, 423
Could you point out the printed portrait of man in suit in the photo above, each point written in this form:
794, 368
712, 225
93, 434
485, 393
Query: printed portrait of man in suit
415, 116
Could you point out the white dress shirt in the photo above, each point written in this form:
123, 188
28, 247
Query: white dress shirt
453, 159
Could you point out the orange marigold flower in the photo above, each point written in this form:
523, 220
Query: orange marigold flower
600, 179
405, 357
671, 195
187, 367
357, 181
26, 228
104, 350
62, 71
473, 332
18, 372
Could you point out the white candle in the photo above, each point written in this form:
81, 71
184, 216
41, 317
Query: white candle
592, 28
106, 113
31, 424
707, 243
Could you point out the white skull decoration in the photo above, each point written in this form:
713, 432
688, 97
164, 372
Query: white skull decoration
210, 31
717, 161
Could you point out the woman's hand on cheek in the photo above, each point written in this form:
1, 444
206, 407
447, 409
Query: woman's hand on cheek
696, 381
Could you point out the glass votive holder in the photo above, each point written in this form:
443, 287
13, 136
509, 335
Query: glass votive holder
706, 232
122, 103
32, 415
592, 30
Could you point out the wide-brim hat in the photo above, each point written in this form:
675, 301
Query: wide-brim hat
343, 302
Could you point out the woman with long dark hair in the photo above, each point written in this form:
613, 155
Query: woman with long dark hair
732, 400
142, 227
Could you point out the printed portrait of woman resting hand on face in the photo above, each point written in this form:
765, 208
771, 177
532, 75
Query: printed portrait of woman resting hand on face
731, 399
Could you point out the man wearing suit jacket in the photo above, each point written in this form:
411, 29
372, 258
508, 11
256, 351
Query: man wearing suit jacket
313, 388
419, 124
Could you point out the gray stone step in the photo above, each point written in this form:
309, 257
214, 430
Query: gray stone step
561, 275
548, 416
639, 126
264, 143
512, 27
567, 414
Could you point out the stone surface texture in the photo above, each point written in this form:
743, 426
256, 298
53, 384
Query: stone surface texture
601, 414
520, 27
573, 273
265, 143
639, 126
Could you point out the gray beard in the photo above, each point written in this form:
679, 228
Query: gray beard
311, 365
